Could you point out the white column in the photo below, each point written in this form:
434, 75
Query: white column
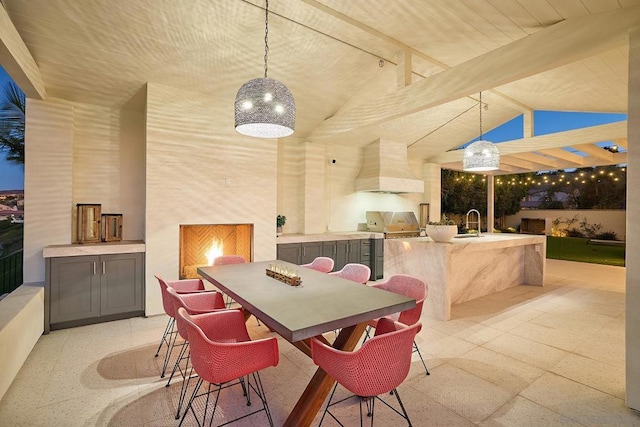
633, 227
48, 182
528, 124
431, 173
491, 215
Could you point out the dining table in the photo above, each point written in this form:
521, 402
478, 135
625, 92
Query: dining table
320, 303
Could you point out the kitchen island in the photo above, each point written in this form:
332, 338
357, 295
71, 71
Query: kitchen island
468, 267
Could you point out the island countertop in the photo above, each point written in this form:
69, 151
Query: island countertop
467, 268
471, 242
326, 237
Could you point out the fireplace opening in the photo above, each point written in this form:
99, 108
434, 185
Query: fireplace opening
200, 244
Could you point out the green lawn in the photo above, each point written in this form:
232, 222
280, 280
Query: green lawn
577, 249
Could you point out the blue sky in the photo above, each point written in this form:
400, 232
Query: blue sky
545, 122
11, 175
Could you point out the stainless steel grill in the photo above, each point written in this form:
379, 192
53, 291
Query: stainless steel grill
393, 224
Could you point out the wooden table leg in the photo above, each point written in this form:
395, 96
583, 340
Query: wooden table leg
320, 385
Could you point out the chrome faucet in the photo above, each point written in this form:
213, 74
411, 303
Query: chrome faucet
478, 222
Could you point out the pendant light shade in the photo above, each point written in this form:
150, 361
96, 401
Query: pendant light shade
264, 107
481, 155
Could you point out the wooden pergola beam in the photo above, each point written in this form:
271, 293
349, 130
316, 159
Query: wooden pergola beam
563, 43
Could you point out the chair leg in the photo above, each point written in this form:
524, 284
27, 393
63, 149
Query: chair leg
367, 331
167, 356
326, 409
404, 411
167, 330
417, 350
185, 385
176, 366
190, 404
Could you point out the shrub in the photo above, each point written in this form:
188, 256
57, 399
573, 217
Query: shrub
607, 235
574, 232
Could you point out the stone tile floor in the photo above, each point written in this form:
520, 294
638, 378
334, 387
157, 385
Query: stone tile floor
526, 356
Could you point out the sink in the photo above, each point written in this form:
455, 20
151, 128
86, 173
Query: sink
467, 236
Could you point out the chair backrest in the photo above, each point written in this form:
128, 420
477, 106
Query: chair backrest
408, 286
359, 273
167, 302
197, 303
186, 285
379, 366
229, 259
221, 349
322, 264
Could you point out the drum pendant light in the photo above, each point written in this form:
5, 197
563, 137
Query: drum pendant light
481, 156
264, 107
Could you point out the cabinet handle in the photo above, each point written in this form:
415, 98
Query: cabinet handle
304, 251
104, 267
94, 268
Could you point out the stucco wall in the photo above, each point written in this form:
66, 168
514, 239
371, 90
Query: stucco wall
198, 172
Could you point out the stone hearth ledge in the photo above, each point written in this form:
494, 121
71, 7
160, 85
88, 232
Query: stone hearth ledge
106, 248
467, 268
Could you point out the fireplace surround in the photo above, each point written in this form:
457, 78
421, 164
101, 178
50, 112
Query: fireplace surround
200, 243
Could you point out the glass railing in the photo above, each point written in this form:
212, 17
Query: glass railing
10, 272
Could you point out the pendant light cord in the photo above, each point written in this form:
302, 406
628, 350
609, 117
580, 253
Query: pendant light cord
266, 37
480, 104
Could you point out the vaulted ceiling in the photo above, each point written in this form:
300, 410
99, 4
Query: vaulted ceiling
405, 70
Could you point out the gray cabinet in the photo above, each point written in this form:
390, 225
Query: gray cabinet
377, 259
89, 289
310, 251
347, 251
289, 252
369, 252
74, 288
299, 253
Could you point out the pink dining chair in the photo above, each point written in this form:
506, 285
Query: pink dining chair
196, 303
411, 287
169, 336
358, 273
229, 259
376, 368
322, 264
221, 353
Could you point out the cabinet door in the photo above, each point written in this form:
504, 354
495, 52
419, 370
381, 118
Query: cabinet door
377, 261
121, 284
74, 288
329, 249
289, 252
342, 254
353, 251
310, 251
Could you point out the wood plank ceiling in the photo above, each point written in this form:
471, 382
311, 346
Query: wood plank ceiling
409, 71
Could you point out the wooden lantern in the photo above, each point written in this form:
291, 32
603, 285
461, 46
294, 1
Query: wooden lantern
111, 227
89, 217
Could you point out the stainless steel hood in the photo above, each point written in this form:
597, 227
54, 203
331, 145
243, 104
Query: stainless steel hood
385, 169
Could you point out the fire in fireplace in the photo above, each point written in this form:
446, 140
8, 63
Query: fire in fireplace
200, 244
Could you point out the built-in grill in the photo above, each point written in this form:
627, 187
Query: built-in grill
393, 224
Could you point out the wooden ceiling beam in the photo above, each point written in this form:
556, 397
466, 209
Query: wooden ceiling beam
564, 155
595, 151
563, 43
537, 158
17, 60
587, 135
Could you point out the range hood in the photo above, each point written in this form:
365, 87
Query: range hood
385, 169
